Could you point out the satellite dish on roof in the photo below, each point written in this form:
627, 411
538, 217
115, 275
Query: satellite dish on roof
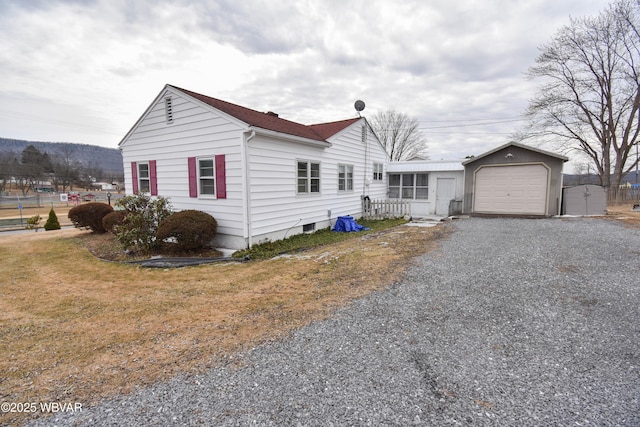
359, 105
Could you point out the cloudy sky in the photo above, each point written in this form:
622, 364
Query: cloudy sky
84, 71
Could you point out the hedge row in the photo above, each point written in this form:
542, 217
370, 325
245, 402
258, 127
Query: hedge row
185, 231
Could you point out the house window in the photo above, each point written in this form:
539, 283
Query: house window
207, 177
144, 178
168, 109
308, 175
394, 185
345, 177
409, 186
377, 171
422, 186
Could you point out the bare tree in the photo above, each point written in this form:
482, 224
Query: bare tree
66, 169
584, 171
399, 134
590, 96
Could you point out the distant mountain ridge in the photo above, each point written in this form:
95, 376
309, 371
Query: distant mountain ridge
108, 159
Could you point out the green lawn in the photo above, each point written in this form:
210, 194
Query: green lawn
300, 242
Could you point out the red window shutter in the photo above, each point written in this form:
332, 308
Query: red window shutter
134, 177
193, 177
153, 178
221, 177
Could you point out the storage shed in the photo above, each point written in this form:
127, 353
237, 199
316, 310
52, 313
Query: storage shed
514, 179
584, 200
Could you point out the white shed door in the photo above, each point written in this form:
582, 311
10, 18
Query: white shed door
518, 189
445, 192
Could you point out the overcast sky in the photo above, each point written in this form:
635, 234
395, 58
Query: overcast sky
84, 71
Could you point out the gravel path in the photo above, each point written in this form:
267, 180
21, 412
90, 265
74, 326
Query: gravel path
511, 322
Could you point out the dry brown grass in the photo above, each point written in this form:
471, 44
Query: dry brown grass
77, 329
624, 214
61, 212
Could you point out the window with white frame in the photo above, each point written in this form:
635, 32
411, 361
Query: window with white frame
345, 177
421, 186
377, 171
144, 178
207, 177
407, 190
308, 177
409, 186
394, 185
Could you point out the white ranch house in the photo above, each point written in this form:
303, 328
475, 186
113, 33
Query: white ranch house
262, 177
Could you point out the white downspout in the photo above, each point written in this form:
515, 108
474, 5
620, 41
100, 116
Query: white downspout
366, 158
247, 184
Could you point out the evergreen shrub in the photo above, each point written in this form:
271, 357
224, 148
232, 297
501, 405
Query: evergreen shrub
112, 220
90, 215
188, 230
52, 222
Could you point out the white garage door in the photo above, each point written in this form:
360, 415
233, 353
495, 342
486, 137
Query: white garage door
518, 189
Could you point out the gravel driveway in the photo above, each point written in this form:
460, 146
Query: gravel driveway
510, 322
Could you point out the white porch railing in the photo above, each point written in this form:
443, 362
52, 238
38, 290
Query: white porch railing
382, 209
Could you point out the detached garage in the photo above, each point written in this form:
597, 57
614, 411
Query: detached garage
514, 179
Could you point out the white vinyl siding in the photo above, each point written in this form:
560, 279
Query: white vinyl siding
275, 200
197, 131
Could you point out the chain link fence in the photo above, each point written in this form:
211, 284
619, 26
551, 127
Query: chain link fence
15, 209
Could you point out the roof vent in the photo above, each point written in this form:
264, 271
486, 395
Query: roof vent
272, 114
168, 109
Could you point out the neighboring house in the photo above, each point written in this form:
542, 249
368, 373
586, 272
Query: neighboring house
514, 179
260, 176
104, 186
432, 187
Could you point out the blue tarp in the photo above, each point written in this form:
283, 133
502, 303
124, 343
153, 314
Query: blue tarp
346, 224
